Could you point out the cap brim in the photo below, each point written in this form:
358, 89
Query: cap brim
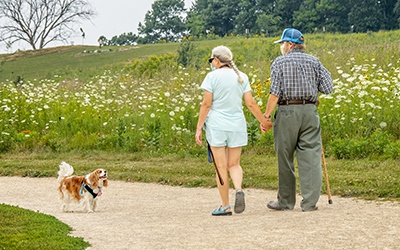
279, 41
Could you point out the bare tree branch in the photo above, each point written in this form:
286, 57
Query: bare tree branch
39, 22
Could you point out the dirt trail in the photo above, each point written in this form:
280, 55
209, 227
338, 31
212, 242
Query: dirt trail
151, 216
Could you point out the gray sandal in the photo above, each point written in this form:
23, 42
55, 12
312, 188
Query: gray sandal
239, 201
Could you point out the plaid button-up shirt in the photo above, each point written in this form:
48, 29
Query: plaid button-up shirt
299, 76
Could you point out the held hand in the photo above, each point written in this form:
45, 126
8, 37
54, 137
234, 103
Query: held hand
266, 125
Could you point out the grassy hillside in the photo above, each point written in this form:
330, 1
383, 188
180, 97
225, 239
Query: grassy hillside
79, 61
84, 62
74, 61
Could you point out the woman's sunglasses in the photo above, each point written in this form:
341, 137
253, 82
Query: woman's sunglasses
211, 59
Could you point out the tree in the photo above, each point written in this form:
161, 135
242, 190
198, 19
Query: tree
334, 14
374, 15
220, 15
123, 39
306, 18
246, 18
195, 24
195, 21
390, 16
285, 9
164, 22
39, 22
396, 12
268, 24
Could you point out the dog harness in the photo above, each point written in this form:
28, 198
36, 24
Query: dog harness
88, 189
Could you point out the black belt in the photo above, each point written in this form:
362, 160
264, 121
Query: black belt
295, 102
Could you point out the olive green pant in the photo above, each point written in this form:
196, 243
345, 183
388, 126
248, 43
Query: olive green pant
297, 130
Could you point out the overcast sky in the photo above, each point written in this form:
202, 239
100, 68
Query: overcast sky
113, 18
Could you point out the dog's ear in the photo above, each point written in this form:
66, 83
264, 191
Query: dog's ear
94, 178
105, 183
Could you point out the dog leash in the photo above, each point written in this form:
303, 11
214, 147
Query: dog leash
211, 159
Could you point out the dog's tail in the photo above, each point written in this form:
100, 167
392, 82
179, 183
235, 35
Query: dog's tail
65, 170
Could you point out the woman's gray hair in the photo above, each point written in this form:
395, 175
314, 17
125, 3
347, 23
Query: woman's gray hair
224, 54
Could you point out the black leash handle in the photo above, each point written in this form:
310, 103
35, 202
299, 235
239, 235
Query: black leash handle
215, 165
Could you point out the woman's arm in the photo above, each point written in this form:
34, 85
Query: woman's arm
255, 110
204, 109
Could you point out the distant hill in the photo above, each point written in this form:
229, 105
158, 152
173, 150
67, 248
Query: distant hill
84, 62
73, 61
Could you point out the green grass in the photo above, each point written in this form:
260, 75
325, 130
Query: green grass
367, 179
25, 229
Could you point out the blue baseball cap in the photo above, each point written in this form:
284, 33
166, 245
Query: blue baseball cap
291, 35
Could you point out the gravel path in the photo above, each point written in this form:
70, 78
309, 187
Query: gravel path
152, 216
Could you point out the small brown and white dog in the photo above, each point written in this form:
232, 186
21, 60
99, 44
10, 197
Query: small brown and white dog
83, 189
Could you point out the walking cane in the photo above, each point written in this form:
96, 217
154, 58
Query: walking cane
211, 159
328, 189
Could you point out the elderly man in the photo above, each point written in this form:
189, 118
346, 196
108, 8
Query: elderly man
296, 80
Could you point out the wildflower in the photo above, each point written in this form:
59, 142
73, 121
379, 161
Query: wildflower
152, 115
172, 113
167, 94
350, 79
383, 124
326, 96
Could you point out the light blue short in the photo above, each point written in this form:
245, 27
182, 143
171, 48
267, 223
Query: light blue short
219, 138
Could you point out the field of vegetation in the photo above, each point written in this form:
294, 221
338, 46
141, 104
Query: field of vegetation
140, 104
144, 100
136, 100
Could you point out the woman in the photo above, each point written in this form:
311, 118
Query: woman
222, 117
